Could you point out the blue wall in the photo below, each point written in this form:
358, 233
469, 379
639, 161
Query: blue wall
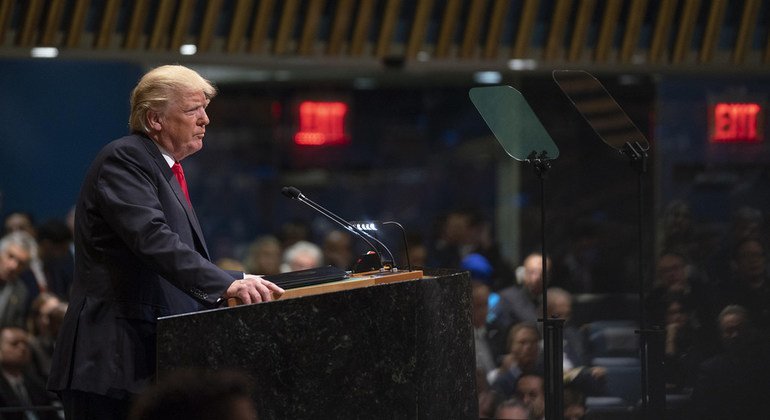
54, 117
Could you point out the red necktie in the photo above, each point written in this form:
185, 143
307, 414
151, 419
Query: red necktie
177, 168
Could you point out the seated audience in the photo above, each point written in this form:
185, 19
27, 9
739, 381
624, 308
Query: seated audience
301, 256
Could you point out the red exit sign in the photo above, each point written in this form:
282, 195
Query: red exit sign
321, 124
736, 122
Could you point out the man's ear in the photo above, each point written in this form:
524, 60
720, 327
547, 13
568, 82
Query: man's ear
154, 120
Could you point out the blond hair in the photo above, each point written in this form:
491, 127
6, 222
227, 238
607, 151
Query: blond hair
159, 87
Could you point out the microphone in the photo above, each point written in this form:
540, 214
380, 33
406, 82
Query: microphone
296, 194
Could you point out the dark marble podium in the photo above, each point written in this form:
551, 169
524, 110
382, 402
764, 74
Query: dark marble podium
399, 350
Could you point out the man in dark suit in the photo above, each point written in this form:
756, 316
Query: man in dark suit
18, 386
139, 251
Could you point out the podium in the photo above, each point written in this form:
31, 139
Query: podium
401, 349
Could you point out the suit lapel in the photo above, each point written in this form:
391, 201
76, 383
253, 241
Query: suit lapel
168, 175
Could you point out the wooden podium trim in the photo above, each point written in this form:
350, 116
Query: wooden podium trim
355, 281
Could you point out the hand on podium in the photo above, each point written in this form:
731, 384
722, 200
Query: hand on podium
253, 289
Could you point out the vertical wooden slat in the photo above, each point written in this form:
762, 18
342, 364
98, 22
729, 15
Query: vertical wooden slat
285, 26
136, 24
310, 28
633, 29
107, 24
6, 10
160, 31
361, 30
29, 23
661, 30
472, 28
495, 32
238, 25
209, 25
419, 28
52, 22
388, 28
555, 40
261, 25
580, 31
526, 27
342, 17
746, 30
447, 29
181, 24
686, 29
77, 23
607, 30
713, 27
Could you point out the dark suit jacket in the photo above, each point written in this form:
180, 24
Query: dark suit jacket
139, 255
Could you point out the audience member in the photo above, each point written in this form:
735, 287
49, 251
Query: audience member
578, 372
677, 278
512, 409
523, 357
733, 384
42, 323
686, 345
485, 360
454, 240
301, 256
338, 249
487, 397
19, 221
530, 390
16, 250
749, 285
197, 395
264, 256
517, 303
18, 386
574, 404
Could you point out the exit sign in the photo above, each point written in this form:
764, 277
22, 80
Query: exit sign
736, 122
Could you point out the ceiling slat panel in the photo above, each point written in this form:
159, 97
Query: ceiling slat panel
31, 19
746, 30
496, 25
286, 26
634, 23
526, 27
238, 25
686, 30
554, 43
361, 30
136, 24
662, 29
713, 27
342, 18
209, 25
310, 28
388, 28
52, 22
580, 31
159, 36
448, 27
182, 24
419, 28
108, 23
77, 23
607, 31
473, 28
261, 25
6, 10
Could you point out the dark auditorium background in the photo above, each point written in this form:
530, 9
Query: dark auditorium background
416, 147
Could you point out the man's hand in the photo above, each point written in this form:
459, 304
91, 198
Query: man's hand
253, 289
